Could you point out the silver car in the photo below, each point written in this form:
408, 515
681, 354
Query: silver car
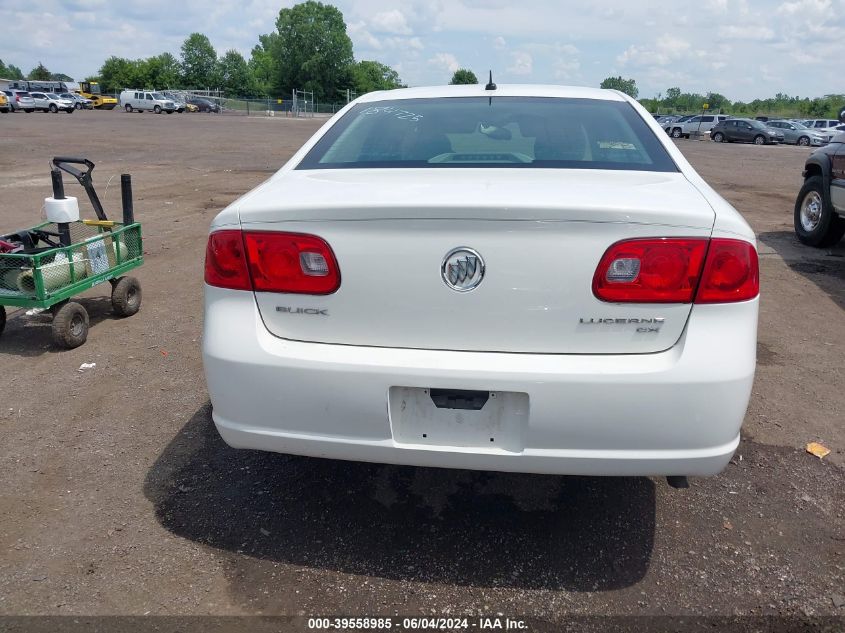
51, 102
79, 102
797, 133
21, 100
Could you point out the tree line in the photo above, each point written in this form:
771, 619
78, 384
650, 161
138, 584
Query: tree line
310, 50
676, 101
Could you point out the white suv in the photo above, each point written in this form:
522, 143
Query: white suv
141, 100
49, 102
701, 123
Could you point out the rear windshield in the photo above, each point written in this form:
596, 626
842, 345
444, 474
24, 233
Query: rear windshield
490, 132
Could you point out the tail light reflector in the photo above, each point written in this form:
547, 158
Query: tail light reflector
291, 262
271, 262
225, 261
660, 270
678, 270
731, 273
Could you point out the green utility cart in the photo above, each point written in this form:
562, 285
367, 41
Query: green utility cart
46, 266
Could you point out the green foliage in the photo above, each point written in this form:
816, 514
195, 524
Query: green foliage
781, 105
463, 76
312, 51
199, 62
39, 73
10, 72
236, 78
161, 71
60, 77
368, 76
628, 86
261, 62
14, 72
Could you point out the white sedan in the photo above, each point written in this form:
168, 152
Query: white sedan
520, 278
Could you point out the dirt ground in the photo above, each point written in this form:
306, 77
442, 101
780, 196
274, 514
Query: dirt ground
118, 497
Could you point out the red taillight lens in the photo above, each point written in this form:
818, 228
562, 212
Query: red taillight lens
271, 262
678, 270
653, 270
731, 272
291, 262
225, 261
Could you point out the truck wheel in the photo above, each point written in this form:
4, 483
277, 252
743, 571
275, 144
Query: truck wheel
70, 325
816, 224
804, 141
2, 319
127, 107
157, 109
126, 296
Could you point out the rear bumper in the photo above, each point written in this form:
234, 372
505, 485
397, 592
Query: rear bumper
676, 412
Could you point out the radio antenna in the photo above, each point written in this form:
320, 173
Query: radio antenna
490, 85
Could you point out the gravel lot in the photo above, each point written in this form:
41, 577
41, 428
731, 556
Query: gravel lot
118, 496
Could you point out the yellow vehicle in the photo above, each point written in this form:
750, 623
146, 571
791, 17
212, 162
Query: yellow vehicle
91, 90
5, 106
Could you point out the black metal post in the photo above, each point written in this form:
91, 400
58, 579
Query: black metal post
59, 194
126, 199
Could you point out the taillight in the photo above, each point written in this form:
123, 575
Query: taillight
658, 270
225, 261
291, 262
677, 270
271, 262
731, 273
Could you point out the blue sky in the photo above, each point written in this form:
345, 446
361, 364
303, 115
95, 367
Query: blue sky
741, 48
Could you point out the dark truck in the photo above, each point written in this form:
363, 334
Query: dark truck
820, 207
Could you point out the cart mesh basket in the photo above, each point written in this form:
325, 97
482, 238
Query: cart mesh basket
50, 274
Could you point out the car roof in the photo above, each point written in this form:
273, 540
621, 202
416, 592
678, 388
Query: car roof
502, 90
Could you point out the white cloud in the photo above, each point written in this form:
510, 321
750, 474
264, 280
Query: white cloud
667, 49
747, 33
521, 63
499, 43
391, 22
445, 61
806, 7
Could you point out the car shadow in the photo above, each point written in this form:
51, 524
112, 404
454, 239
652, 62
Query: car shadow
435, 525
29, 336
825, 267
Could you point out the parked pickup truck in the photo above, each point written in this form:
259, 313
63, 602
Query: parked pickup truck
820, 206
701, 123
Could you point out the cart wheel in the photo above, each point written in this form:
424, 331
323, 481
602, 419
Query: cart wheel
54, 309
126, 296
2, 319
70, 325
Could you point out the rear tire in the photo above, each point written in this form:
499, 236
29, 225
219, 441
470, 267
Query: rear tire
759, 140
676, 132
126, 297
2, 319
77, 105
70, 325
127, 107
718, 137
816, 223
804, 141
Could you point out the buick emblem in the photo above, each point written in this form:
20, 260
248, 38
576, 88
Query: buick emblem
462, 269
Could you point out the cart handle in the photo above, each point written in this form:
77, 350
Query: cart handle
84, 178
